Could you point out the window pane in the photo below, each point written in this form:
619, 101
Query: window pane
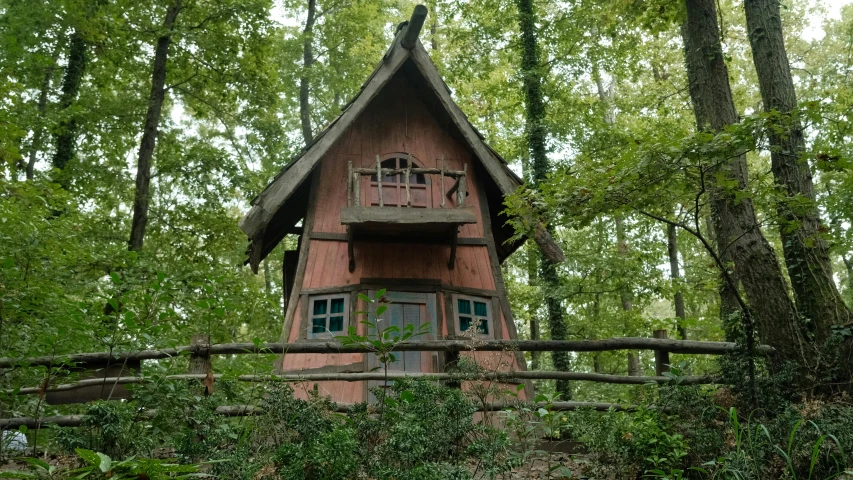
318, 325
480, 309
390, 163
337, 305
484, 326
464, 323
463, 306
320, 307
336, 324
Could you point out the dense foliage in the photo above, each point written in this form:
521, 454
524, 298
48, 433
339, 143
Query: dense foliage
615, 165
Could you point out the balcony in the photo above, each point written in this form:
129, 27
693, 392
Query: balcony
405, 219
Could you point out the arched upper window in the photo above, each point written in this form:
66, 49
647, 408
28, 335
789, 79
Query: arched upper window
394, 186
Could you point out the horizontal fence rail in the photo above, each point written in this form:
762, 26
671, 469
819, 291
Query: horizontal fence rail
626, 343
249, 410
378, 376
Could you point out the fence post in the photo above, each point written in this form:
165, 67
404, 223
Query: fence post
633, 364
200, 361
661, 356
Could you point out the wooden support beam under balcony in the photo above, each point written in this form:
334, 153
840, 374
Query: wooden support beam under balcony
402, 221
405, 225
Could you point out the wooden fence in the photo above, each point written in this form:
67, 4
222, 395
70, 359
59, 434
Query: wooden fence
200, 368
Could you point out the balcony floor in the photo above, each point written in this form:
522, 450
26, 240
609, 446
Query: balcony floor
426, 224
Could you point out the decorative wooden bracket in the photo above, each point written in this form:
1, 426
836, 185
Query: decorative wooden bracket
350, 250
453, 241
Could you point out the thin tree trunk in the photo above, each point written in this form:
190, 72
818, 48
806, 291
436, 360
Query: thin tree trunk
535, 130
532, 264
38, 132
675, 276
738, 233
848, 264
805, 250
267, 277
142, 198
66, 134
625, 296
729, 309
605, 94
304, 80
433, 28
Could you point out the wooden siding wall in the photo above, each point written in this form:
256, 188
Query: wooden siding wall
396, 121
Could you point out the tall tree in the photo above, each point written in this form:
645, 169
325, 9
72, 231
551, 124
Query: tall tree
38, 129
805, 250
675, 276
535, 131
66, 134
142, 198
304, 79
737, 229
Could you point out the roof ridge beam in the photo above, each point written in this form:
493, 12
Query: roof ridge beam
410, 37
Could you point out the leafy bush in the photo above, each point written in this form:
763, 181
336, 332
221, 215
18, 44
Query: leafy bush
426, 427
107, 427
626, 444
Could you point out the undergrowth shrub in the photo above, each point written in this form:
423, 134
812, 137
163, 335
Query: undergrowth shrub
423, 429
112, 428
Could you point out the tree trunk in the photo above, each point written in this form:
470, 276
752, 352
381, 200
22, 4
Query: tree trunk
38, 130
141, 199
267, 277
535, 130
605, 94
729, 309
675, 275
532, 264
433, 28
625, 296
304, 80
66, 134
737, 230
805, 250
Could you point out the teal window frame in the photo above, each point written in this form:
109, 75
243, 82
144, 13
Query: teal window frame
322, 319
465, 316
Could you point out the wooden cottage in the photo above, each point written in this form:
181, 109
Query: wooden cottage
399, 192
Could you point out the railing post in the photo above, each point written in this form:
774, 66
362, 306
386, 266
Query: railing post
356, 189
379, 180
200, 358
462, 191
633, 364
349, 184
661, 356
408, 174
441, 180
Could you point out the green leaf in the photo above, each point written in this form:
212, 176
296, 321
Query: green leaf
37, 463
105, 462
381, 309
88, 456
17, 474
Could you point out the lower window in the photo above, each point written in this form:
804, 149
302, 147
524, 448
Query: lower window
473, 314
329, 315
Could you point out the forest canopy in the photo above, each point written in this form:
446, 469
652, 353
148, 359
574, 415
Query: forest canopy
692, 159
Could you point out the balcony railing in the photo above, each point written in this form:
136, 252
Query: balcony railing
416, 225
460, 187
